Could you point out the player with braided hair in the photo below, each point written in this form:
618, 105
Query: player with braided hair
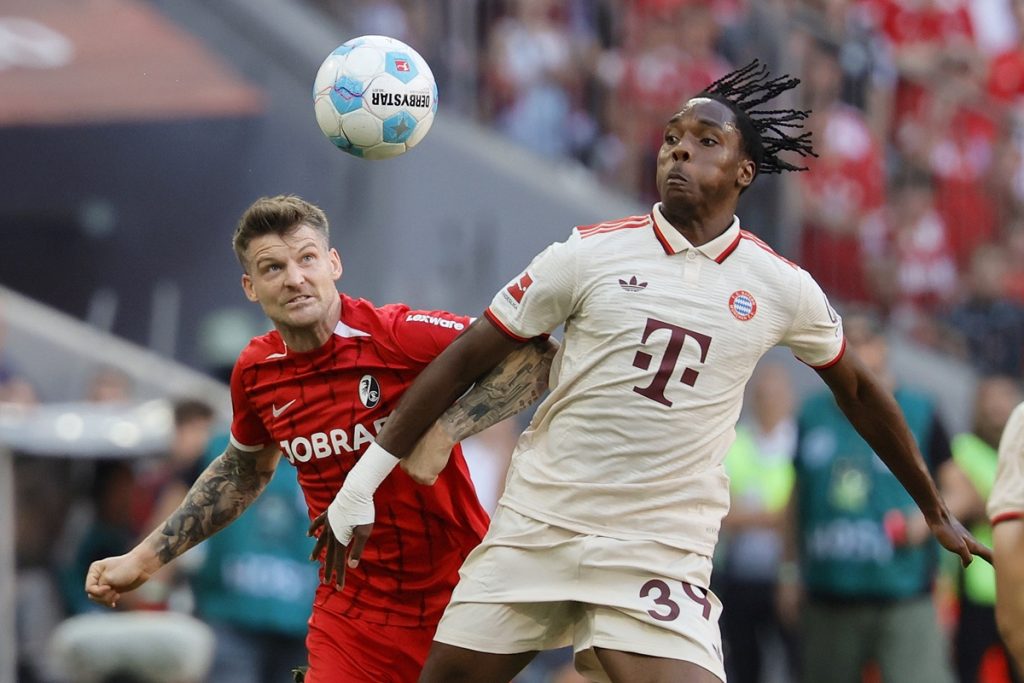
604, 535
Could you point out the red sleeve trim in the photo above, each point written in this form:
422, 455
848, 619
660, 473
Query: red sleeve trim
826, 366
1006, 517
489, 314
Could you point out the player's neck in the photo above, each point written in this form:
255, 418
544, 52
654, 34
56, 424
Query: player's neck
696, 226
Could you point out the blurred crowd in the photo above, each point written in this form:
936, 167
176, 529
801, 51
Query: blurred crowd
915, 203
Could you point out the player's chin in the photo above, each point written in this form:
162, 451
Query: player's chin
304, 312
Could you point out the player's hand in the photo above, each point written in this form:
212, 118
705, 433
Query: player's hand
948, 530
333, 552
430, 456
107, 579
350, 521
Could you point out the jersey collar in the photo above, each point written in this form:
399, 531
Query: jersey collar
673, 241
342, 329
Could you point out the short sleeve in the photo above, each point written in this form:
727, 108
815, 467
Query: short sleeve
422, 335
247, 430
1007, 498
816, 333
541, 297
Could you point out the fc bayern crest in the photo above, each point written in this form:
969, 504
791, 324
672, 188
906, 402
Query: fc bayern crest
369, 391
742, 305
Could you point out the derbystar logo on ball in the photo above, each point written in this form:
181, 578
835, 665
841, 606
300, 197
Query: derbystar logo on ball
374, 97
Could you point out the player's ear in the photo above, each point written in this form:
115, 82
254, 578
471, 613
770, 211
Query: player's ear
250, 291
336, 268
746, 172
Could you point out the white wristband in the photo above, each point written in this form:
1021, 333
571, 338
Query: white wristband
371, 469
353, 506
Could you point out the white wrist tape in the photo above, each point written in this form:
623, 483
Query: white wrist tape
353, 505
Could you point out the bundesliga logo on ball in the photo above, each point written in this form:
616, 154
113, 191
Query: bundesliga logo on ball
375, 97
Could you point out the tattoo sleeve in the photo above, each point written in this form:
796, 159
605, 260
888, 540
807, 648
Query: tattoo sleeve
223, 491
511, 387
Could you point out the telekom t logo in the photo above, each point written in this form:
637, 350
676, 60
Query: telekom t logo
677, 338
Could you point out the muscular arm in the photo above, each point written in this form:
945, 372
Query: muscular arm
475, 353
509, 389
512, 386
224, 489
221, 493
1009, 560
877, 417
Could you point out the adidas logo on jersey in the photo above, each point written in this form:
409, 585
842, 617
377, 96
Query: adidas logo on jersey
632, 285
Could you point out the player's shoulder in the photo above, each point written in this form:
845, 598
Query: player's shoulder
761, 258
264, 347
612, 229
364, 314
394, 319
1014, 428
753, 248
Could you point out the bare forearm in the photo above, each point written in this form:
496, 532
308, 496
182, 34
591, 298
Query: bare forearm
510, 388
222, 492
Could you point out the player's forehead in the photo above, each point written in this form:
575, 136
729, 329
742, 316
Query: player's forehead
299, 237
704, 111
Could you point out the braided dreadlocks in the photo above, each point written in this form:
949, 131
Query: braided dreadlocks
766, 132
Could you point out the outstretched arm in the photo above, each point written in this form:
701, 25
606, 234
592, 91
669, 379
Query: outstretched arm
221, 493
512, 386
876, 416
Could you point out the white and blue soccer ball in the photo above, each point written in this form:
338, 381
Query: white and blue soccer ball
375, 97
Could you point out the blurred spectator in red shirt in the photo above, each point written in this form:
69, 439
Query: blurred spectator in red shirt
916, 34
949, 133
908, 253
842, 186
1005, 81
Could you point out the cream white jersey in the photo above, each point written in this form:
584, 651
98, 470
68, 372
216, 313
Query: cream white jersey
660, 340
1007, 498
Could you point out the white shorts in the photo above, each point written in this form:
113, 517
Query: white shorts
531, 586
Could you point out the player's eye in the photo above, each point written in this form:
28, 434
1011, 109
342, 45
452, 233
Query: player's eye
708, 142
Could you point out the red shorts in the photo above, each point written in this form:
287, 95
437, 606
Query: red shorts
348, 650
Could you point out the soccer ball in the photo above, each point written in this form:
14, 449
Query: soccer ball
374, 97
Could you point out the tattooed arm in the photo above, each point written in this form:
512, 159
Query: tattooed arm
221, 493
511, 387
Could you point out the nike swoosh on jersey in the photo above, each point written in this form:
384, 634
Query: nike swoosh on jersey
277, 411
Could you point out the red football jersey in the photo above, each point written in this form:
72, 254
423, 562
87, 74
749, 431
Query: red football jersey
322, 408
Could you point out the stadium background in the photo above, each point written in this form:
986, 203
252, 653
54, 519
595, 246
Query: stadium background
134, 133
